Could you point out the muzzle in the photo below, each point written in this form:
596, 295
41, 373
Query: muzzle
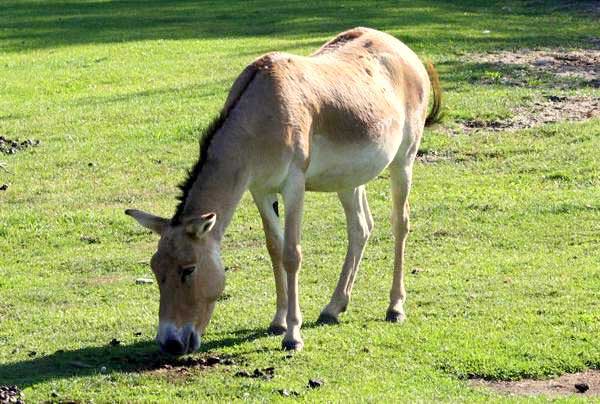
177, 341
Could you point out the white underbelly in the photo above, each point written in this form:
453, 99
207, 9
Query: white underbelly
334, 167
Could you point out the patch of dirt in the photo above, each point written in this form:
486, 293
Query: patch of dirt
526, 67
11, 394
89, 239
552, 109
433, 156
205, 362
102, 280
179, 368
266, 373
10, 146
586, 384
152, 363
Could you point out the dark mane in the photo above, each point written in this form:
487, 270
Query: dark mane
206, 138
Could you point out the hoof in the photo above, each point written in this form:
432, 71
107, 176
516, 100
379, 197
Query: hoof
327, 319
394, 317
276, 329
292, 345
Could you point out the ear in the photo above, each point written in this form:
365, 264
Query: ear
197, 228
154, 223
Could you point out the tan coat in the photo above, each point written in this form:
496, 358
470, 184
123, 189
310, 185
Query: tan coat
328, 122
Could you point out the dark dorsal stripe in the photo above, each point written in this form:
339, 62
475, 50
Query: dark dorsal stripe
205, 140
339, 41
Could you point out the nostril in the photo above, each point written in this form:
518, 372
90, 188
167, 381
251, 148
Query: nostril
173, 347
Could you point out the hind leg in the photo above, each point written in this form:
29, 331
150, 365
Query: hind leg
401, 178
359, 224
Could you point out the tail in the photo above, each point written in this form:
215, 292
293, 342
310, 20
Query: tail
435, 115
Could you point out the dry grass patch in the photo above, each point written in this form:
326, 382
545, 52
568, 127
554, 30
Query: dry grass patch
551, 70
526, 67
551, 109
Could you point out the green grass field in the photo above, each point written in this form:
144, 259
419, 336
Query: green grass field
503, 259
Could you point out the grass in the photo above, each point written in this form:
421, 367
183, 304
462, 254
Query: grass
505, 231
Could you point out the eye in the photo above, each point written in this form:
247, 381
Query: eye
186, 272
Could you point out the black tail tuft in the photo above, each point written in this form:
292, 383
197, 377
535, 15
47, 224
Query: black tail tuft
435, 115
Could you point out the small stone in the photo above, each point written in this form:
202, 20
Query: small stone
143, 281
315, 383
543, 61
557, 98
582, 387
11, 394
103, 369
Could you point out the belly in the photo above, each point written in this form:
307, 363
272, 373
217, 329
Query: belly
335, 167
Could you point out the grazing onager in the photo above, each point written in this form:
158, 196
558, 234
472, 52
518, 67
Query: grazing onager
328, 122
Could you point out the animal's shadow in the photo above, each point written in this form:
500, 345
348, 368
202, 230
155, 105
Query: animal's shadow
140, 356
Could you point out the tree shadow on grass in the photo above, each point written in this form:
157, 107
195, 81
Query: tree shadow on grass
57, 23
141, 356
25, 24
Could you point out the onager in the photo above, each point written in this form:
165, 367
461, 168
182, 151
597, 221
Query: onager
329, 122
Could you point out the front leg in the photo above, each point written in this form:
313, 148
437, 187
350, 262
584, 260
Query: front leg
274, 237
293, 195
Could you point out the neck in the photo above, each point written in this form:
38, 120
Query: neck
221, 182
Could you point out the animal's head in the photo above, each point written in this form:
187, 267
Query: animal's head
190, 277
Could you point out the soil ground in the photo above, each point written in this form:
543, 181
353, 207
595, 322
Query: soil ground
554, 71
550, 109
559, 386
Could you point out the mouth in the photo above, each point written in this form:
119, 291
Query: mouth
193, 342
